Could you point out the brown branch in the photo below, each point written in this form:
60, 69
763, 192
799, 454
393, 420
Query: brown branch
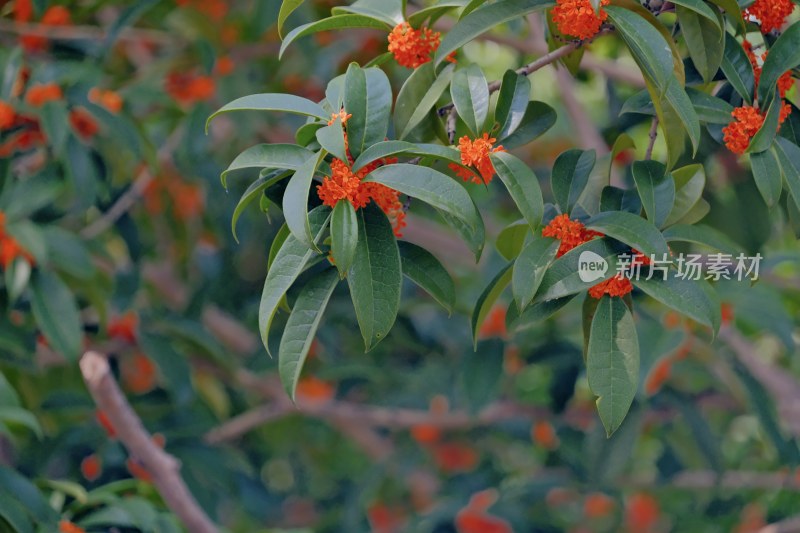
653, 136
164, 468
85, 33
790, 525
123, 204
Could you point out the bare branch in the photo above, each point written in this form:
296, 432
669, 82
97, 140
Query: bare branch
164, 468
653, 136
85, 33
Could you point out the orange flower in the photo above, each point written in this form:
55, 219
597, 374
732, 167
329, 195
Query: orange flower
474, 518
111, 100
57, 16
571, 233
658, 376
91, 467
341, 115
312, 390
726, 310
455, 457
412, 48
495, 323
476, 154
124, 327
7, 115
737, 135
426, 433
598, 505
384, 519
616, 286
223, 66
105, 422
43, 92
770, 13
83, 123
641, 513
138, 373
578, 18
544, 435
23, 10
54, 16
10, 250
189, 88
65, 526
188, 199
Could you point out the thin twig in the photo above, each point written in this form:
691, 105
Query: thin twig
653, 136
123, 204
164, 468
450, 127
85, 33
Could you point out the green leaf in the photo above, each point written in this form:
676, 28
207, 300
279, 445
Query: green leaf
57, 314
470, 92
260, 156
22, 417
647, 45
55, 123
685, 296
701, 8
14, 513
676, 103
339, 22
534, 314
421, 267
764, 137
563, 279
68, 253
433, 12
287, 8
612, 361
288, 103
331, 139
481, 371
522, 185
690, 181
488, 298
388, 11
368, 97
25, 492
512, 102
704, 39
381, 150
538, 118
375, 278
703, 235
474, 237
289, 261
251, 193
430, 186
295, 200
784, 55
483, 19
511, 239
418, 95
737, 68
789, 157
632, 230
734, 12
767, 174
301, 328
530, 267
656, 189
706, 440
570, 176
709, 109
344, 235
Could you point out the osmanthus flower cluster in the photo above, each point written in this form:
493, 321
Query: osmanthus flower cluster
578, 18
10, 248
414, 47
771, 15
475, 154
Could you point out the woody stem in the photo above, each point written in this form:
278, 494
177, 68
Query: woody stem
653, 136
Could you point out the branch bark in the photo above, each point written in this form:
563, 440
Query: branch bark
164, 468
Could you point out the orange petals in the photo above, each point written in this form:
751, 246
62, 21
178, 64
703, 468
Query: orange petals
187, 89
641, 513
598, 505
737, 135
313, 390
39, 94
571, 233
426, 433
495, 323
138, 470
658, 376
578, 18
476, 154
65, 526
124, 327
138, 373
616, 286
91, 467
224, 66
544, 435
7, 115
771, 14
455, 457
474, 518
83, 123
412, 48
111, 100
384, 519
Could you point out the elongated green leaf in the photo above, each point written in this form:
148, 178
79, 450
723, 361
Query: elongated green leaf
512, 103
710, 109
254, 191
433, 12
381, 150
480, 373
677, 103
22, 417
288, 262
483, 19
789, 157
737, 68
530, 267
430, 186
260, 156
344, 235
14, 514
470, 92
656, 189
685, 296
331, 139
288, 103
564, 277
701, 8
612, 361
704, 39
767, 174
488, 298
631, 229
648, 46
690, 181
784, 55
339, 22
295, 200
538, 118
375, 277
388, 11
368, 97
570, 176
421, 267
302, 327
287, 8
522, 185
534, 314
764, 137
25, 492
703, 235
418, 96
511, 239
57, 314
474, 237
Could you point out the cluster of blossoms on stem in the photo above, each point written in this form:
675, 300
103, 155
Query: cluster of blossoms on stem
344, 184
53, 16
10, 249
412, 48
578, 18
476, 154
771, 14
747, 120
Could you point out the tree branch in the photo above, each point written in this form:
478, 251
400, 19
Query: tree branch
653, 136
164, 468
85, 33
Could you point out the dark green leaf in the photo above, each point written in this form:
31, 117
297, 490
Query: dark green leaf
421, 267
737, 68
512, 238
57, 314
563, 278
344, 235
704, 38
656, 189
767, 174
470, 92
488, 298
295, 200
417, 97
784, 55
338, 22
331, 139
522, 185
539, 117
512, 103
703, 235
368, 97
287, 8
570, 176
690, 181
685, 296
481, 371
530, 267
254, 191
260, 156
288, 103
631, 229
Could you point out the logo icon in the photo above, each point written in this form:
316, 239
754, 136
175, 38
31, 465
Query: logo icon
591, 266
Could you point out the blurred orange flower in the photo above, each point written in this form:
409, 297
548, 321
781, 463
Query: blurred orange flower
39, 94
7, 115
65, 526
83, 123
474, 518
124, 327
641, 513
107, 98
91, 467
543, 434
495, 323
598, 505
187, 89
455, 457
138, 373
312, 390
